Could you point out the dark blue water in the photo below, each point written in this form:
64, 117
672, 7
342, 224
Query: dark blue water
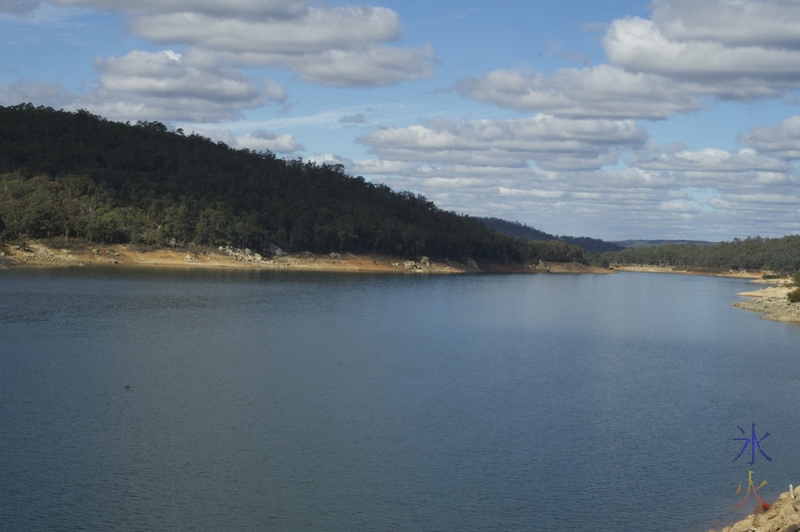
228, 400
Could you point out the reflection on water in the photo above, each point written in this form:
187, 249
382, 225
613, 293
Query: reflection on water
227, 400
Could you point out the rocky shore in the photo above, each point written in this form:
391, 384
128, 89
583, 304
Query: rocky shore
782, 516
772, 302
48, 254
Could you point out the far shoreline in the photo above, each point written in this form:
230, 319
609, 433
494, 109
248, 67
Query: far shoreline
739, 274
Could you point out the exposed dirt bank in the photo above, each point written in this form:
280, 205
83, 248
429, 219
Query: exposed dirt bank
658, 269
783, 516
38, 253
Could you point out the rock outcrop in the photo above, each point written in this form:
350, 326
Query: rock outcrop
772, 303
782, 516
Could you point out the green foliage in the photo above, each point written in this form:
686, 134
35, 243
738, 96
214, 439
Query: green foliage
794, 296
776, 254
76, 175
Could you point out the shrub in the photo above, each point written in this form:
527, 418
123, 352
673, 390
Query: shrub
794, 296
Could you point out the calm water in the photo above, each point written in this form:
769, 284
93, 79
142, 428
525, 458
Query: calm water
222, 400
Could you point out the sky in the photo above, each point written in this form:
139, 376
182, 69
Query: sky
612, 119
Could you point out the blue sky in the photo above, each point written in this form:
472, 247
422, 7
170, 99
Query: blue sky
615, 119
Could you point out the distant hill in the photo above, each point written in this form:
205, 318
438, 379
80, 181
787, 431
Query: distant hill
644, 243
781, 255
518, 230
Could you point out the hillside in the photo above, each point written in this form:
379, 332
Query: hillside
79, 176
524, 232
780, 255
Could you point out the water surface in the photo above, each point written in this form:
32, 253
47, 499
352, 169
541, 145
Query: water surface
247, 400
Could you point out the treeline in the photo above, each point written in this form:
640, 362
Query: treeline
780, 255
79, 176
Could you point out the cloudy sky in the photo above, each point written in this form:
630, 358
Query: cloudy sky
613, 119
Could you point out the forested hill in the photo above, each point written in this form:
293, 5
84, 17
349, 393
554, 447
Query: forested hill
77, 175
518, 230
781, 255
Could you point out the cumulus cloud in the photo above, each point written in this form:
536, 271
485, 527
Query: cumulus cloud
481, 167
258, 140
601, 92
315, 31
666, 65
731, 49
782, 141
546, 140
374, 66
261, 140
711, 161
333, 46
736, 23
244, 8
161, 85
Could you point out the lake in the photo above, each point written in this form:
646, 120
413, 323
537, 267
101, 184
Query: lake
138, 399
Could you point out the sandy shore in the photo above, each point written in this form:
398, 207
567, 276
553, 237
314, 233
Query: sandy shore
659, 269
37, 253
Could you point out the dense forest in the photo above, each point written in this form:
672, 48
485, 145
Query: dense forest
79, 176
781, 255
524, 232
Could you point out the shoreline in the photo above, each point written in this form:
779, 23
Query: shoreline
772, 302
755, 276
782, 515
72, 254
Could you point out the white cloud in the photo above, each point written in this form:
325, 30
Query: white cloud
373, 66
243, 8
679, 207
535, 193
782, 141
688, 51
734, 23
259, 140
711, 161
313, 32
639, 46
332, 46
547, 140
600, 92
161, 85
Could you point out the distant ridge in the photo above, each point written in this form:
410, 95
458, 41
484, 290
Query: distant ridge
524, 232
646, 243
